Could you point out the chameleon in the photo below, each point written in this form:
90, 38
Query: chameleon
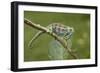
59, 29
56, 51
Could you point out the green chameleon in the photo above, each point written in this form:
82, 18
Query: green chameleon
56, 50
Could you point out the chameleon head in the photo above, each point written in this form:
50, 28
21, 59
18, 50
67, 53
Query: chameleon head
69, 32
61, 30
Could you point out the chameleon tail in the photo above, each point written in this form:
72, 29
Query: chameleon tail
34, 38
37, 35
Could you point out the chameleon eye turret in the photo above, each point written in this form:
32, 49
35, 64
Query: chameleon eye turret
71, 29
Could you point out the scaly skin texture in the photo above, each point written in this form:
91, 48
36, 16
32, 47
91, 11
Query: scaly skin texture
56, 50
61, 30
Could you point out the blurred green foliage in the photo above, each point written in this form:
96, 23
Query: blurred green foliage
80, 39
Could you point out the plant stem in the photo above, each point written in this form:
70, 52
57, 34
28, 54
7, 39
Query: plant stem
61, 40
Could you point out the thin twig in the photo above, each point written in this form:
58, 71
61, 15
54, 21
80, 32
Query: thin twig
61, 40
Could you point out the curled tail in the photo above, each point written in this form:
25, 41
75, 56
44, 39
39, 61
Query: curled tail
34, 38
37, 35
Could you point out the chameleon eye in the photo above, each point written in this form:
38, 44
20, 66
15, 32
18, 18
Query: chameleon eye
70, 29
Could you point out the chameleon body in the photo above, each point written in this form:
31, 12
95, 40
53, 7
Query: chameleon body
56, 50
57, 28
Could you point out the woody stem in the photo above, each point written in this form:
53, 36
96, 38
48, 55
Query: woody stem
41, 28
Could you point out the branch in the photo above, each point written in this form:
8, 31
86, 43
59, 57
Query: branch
41, 28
